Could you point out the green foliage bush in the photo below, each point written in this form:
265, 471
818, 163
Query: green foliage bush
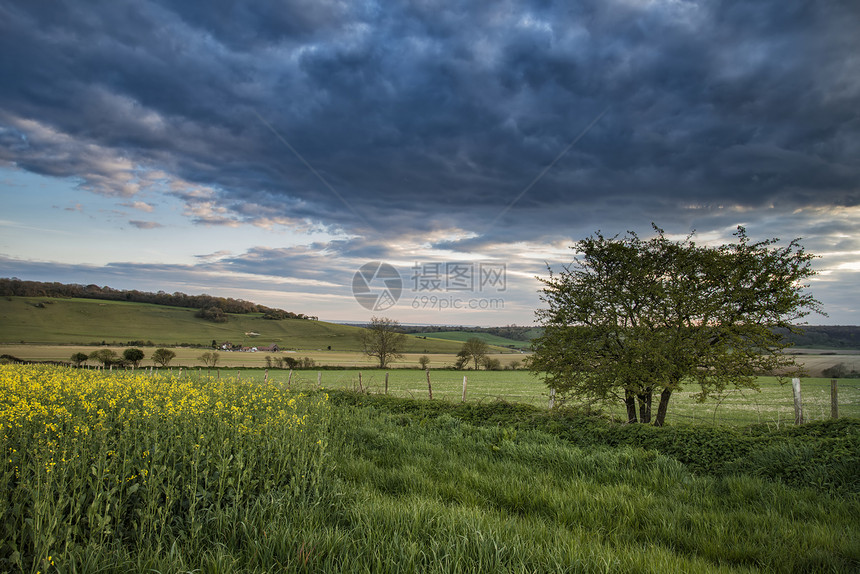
214, 314
162, 357
133, 356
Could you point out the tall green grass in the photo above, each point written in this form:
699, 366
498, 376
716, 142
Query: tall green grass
441, 494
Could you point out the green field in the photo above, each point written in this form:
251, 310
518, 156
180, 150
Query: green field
773, 404
132, 472
488, 338
87, 321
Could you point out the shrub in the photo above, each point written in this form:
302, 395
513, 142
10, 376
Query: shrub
214, 314
133, 356
491, 364
106, 357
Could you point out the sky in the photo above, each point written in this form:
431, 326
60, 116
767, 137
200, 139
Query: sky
424, 161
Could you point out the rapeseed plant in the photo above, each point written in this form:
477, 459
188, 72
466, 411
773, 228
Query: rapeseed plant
137, 460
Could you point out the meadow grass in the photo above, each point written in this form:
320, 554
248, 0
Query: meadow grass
441, 494
130, 473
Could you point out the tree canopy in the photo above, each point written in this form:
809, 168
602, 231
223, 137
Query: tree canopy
631, 317
104, 356
162, 357
133, 356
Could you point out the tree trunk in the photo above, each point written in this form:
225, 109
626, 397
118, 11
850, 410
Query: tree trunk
630, 403
644, 406
664, 406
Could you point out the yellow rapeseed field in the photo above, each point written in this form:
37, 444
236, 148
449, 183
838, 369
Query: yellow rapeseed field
133, 458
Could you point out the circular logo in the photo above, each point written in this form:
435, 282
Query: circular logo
377, 286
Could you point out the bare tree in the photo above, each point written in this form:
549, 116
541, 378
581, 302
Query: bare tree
383, 340
210, 359
474, 350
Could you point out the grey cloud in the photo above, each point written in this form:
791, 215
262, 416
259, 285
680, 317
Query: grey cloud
424, 116
145, 224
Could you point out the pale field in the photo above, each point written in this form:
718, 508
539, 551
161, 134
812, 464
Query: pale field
189, 357
813, 361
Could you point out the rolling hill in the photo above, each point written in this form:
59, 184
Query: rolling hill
86, 321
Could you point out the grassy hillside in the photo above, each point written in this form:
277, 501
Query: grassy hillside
85, 321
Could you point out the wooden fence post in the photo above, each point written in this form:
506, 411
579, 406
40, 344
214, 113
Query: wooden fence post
386, 382
798, 405
360, 387
289, 379
429, 388
319, 378
266, 376
834, 399
464, 388
552, 397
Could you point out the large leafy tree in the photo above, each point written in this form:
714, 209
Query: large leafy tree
382, 339
631, 318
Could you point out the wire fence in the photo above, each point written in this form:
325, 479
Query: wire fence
772, 404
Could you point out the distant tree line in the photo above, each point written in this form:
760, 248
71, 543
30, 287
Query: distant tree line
812, 336
825, 337
14, 287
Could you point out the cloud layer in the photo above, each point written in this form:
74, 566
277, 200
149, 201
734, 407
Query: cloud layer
426, 124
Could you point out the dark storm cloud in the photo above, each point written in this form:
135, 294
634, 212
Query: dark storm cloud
423, 116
